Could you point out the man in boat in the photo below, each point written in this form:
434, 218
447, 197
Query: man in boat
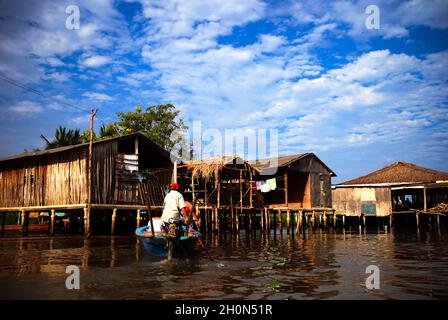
174, 208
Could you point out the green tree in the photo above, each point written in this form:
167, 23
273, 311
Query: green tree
156, 122
108, 131
63, 137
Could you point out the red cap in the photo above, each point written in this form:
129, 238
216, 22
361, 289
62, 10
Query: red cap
174, 186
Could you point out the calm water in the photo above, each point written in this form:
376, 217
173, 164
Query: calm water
319, 265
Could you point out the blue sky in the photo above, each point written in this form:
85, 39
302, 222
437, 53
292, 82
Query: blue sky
358, 98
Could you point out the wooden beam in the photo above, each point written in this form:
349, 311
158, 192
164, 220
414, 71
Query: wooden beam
425, 205
286, 188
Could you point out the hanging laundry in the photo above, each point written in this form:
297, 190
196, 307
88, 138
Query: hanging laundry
259, 185
264, 186
272, 184
254, 185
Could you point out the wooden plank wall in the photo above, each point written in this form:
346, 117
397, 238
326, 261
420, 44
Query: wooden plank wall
103, 172
50, 180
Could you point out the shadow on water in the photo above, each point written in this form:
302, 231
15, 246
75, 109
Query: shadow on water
316, 264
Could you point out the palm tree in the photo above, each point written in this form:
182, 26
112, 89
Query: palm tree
108, 131
63, 137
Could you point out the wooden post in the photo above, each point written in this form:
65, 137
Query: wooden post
138, 218
22, 221
299, 221
390, 222
425, 205
218, 196
288, 221
114, 217
286, 188
262, 219
250, 191
52, 220
241, 191
343, 221
89, 177
313, 219
25, 222
364, 220
232, 213
417, 222
193, 196
280, 221
325, 218
3, 222
266, 218
334, 219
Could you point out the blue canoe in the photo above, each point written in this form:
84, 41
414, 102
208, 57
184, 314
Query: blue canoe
160, 244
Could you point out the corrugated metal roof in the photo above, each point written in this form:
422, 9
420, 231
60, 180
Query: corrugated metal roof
81, 145
269, 163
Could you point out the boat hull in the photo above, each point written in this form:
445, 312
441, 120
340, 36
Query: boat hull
159, 244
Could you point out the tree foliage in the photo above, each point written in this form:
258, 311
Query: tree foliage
156, 122
63, 137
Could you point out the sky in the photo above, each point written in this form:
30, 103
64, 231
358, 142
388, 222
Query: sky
359, 98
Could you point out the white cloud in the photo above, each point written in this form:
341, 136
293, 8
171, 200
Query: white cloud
96, 61
26, 108
98, 96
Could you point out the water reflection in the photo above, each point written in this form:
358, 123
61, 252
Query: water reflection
253, 265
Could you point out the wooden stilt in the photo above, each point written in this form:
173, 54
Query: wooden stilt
262, 219
266, 218
280, 219
114, 217
390, 222
313, 219
288, 221
325, 218
138, 218
52, 220
343, 221
334, 219
3, 222
364, 221
438, 222
86, 221
416, 221
299, 221
23, 222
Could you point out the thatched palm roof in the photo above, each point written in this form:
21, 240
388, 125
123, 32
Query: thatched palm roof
399, 172
210, 167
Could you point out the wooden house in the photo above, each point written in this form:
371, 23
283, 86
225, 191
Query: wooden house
56, 179
397, 188
301, 180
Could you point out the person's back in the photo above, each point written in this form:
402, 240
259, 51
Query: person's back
173, 203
